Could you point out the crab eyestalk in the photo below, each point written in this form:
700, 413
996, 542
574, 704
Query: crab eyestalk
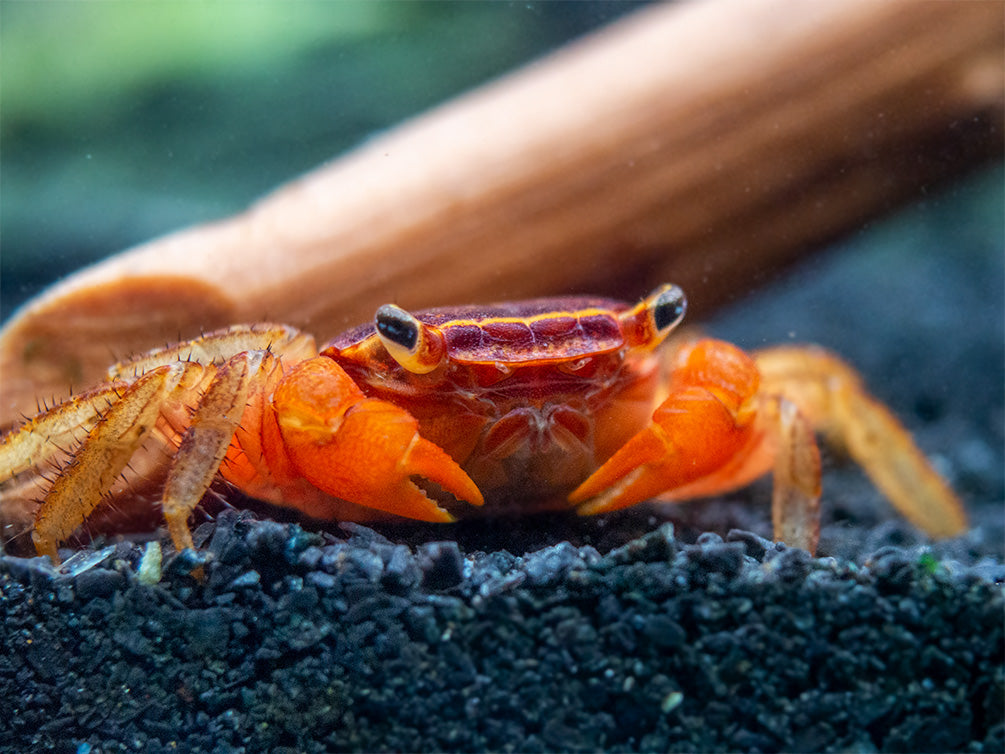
648, 323
418, 347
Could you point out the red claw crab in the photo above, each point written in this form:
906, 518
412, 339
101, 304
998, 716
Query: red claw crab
511, 408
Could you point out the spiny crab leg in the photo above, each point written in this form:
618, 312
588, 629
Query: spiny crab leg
217, 347
205, 442
109, 446
832, 396
120, 415
41, 447
50, 433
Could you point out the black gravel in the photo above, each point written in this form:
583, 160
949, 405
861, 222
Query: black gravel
559, 633
309, 642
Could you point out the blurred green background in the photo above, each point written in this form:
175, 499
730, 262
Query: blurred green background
120, 121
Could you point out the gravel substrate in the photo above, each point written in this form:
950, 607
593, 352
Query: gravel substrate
311, 643
560, 633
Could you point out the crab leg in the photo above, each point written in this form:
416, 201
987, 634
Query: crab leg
45, 444
252, 356
146, 390
49, 434
216, 347
52, 432
795, 499
109, 446
832, 396
206, 441
360, 449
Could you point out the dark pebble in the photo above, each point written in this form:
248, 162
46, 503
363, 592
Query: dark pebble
353, 563
323, 581
96, 583
363, 536
402, 571
268, 539
310, 558
656, 546
548, 566
790, 565
247, 580
36, 572
716, 556
442, 565
187, 562
754, 546
892, 568
663, 632
302, 600
208, 631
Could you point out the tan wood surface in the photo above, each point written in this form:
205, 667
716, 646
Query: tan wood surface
701, 142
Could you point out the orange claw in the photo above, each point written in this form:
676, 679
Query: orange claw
364, 450
705, 421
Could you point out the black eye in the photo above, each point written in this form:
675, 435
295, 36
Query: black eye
669, 307
398, 326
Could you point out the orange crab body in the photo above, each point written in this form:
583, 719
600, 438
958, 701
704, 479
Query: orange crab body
511, 408
530, 399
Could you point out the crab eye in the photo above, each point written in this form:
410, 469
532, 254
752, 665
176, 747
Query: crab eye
397, 326
647, 324
416, 346
667, 304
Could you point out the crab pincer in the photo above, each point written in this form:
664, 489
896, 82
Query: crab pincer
706, 421
364, 450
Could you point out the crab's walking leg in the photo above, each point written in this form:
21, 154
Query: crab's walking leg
216, 347
795, 499
206, 441
51, 433
109, 446
832, 396
360, 449
252, 359
40, 447
151, 388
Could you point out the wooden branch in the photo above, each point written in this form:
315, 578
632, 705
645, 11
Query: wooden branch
699, 142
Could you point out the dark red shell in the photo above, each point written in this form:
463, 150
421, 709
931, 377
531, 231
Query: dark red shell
545, 329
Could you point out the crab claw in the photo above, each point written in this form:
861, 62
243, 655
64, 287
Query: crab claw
702, 424
364, 450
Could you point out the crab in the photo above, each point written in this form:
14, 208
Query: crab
556, 403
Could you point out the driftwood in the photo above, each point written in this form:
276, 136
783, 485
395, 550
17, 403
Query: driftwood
700, 143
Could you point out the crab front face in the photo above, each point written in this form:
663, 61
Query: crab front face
528, 398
